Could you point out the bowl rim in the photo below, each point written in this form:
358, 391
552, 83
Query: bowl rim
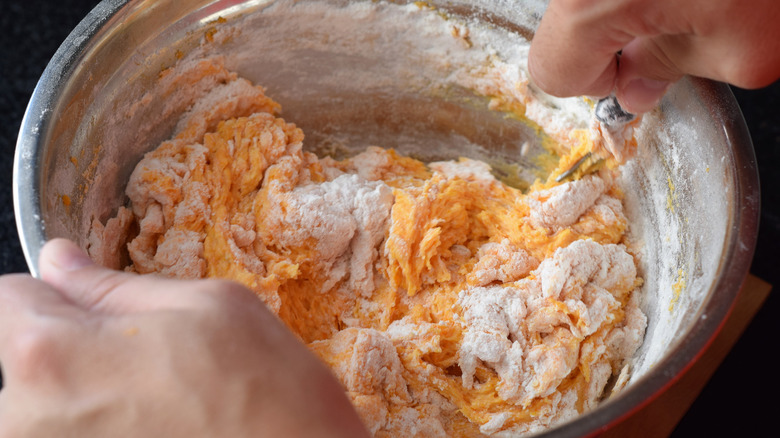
33, 130
739, 245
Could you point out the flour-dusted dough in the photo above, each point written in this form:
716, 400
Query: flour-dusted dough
446, 302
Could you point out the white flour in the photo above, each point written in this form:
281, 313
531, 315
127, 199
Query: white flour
347, 217
532, 322
560, 206
520, 332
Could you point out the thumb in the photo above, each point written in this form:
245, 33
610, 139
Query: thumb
644, 74
64, 266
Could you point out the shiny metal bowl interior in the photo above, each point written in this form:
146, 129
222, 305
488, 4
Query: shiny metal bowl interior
691, 194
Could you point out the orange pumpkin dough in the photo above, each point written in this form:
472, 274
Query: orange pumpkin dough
446, 302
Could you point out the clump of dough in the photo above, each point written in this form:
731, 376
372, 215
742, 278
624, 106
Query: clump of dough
446, 302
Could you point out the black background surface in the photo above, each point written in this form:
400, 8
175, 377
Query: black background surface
740, 398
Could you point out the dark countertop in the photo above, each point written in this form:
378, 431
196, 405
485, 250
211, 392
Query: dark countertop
731, 403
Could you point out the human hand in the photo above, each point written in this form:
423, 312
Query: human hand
90, 352
574, 49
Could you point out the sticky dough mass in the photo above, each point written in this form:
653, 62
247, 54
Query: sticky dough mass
446, 302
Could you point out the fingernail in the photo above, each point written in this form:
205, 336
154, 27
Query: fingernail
642, 94
66, 255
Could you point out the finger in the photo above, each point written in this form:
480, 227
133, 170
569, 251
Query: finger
648, 66
646, 71
726, 41
68, 269
573, 51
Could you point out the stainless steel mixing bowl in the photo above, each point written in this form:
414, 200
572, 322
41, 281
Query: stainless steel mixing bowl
691, 193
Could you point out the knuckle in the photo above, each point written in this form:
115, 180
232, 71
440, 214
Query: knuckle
104, 287
35, 351
664, 57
